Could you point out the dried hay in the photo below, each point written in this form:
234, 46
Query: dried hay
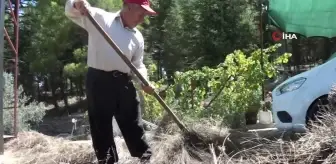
316, 146
36, 148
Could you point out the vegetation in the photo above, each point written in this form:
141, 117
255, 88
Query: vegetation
184, 43
237, 80
29, 115
204, 57
53, 54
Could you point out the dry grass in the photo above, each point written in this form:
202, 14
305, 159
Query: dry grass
317, 146
33, 147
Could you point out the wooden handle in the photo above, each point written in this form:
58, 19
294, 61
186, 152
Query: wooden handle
135, 70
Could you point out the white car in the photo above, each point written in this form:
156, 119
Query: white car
297, 99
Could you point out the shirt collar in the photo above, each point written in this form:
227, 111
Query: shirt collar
118, 18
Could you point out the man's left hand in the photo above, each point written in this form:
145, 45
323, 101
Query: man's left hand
148, 89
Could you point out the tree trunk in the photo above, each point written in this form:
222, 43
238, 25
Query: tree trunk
71, 87
53, 91
80, 85
296, 54
327, 48
63, 94
38, 90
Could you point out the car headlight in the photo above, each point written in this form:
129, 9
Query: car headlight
290, 86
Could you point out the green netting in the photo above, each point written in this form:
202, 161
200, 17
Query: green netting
305, 17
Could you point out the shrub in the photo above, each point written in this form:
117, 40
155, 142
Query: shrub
27, 115
237, 80
153, 110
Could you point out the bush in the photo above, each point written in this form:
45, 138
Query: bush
237, 80
27, 115
153, 110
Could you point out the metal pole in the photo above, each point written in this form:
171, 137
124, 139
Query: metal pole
16, 30
2, 26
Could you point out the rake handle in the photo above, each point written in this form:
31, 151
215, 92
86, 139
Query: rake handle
133, 68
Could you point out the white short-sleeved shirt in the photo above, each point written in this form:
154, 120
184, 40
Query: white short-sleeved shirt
100, 54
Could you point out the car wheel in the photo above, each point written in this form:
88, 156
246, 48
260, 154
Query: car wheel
316, 110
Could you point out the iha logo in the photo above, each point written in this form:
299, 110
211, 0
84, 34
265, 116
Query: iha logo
278, 35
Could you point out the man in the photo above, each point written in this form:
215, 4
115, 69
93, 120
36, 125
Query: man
110, 91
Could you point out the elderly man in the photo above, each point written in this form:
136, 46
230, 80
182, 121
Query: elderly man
110, 91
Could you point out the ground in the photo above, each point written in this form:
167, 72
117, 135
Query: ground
213, 145
34, 147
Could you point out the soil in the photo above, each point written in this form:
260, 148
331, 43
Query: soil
63, 126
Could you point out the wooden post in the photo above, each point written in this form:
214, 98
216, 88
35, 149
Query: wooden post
2, 26
261, 49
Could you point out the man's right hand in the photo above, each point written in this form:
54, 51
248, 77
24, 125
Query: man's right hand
82, 6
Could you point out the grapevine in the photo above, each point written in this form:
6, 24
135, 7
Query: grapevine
240, 74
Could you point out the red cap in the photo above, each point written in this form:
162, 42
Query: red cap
144, 4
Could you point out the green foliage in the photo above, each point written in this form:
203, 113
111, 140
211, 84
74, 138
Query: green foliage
27, 115
51, 39
192, 37
240, 76
79, 67
152, 108
184, 37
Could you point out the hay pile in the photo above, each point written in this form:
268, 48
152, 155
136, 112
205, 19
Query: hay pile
317, 146
36, 148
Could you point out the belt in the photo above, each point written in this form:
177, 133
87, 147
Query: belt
114, 73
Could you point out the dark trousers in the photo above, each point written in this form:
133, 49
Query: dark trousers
112, 94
